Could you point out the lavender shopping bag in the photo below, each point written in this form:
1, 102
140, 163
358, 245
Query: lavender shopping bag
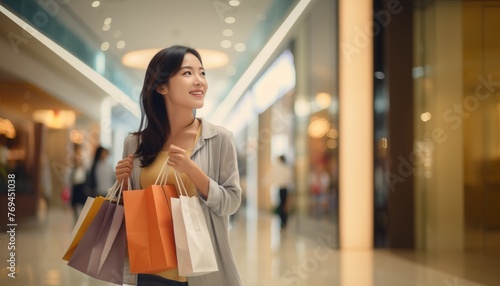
101, 251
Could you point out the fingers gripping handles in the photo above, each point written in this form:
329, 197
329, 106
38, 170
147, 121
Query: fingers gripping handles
163, 177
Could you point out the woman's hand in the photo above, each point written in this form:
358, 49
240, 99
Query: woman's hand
179, 159
124, 169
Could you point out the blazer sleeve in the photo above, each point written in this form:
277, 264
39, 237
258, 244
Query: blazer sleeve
224, 194
129, 145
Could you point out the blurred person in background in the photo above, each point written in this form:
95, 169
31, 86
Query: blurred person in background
281, 176
319, 184
102, 173
78, 180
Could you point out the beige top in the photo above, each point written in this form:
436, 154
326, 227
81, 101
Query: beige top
150, 174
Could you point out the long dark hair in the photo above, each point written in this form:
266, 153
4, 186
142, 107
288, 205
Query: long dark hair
155, 127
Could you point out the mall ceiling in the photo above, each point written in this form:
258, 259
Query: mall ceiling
219, 25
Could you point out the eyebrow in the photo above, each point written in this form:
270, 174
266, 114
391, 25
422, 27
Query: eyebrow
192, 68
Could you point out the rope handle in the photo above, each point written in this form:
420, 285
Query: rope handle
163, 177
117, 188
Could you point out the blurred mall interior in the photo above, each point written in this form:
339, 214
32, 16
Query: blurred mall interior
393, 106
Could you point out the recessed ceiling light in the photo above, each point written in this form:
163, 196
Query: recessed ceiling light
104, 46
227, 32
140, 58
230, 20
225, 44
234, 3
120, 44
107, 21
106, 27
240, 47
96, 4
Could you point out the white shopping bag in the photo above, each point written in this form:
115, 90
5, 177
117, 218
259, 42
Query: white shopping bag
195, 253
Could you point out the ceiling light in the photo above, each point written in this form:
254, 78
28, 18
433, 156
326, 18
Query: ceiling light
140, 58
96, 4
240, 47
225, 44
120, 44
106, 27
258, 63
230, 20
227, 32
107, 21
234, 3
104, 46
213, 59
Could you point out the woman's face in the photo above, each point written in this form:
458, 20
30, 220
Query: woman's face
187, 88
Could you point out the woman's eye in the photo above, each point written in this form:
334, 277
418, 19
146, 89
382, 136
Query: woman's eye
203, 73
187, 73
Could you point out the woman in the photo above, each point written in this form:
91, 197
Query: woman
101, 173
78, 183
203, 153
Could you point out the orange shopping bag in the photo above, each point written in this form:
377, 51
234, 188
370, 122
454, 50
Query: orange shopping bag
89, 211
149, 228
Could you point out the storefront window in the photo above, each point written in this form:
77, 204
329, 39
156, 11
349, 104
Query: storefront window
457, 81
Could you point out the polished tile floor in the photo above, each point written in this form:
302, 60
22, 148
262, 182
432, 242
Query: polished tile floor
265, 255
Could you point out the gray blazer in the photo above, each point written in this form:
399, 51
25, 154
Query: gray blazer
215, 153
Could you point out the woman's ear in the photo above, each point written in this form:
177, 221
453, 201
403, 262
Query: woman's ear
162, 89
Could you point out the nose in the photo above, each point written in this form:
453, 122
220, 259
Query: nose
199, 81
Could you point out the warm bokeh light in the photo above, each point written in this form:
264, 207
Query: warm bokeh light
318, 127
302, 107
323, 100
57, 119
7, 129
140, 59
333, 133
425, 116
76, 136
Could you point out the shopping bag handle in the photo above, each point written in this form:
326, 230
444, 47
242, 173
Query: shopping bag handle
178, 180
117, 188
163, 174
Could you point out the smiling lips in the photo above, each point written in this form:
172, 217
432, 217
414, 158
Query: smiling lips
198, 93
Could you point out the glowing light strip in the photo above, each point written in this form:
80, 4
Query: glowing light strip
80, 66
251, 73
